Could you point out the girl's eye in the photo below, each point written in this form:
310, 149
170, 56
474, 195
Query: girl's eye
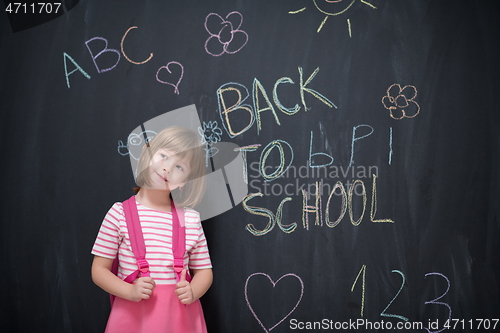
179, 167
163, 156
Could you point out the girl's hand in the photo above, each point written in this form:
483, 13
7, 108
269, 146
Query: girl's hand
142, 288
183, 289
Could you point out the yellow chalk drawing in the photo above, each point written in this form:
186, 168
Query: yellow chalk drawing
316, 209
350, 206
244, 151
258, 211
363, 269
333, 8
373, 209
343, 210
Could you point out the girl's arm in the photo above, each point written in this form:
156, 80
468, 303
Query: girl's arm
202, 280
109, 282
188, 292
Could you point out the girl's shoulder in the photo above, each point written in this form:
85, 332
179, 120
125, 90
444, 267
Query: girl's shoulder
115, 215
116, 208
191, 215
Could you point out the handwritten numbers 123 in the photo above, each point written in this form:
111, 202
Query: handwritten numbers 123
362, 274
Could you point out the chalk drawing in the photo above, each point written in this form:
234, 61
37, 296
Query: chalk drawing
306, 209
383, 314
224, 110
286, 228
357, 138
390, 145
106, 49
240, 93
77, 68
400, 101
373, 209
222, 37
274, 285
135, 140
244, 151
333, 8
434, 301
210, 134
123, 51
176, 85
362, 270
350, 206
258, 211
343, 208
278, 144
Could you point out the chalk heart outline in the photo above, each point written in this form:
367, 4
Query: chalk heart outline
176, 85
274, 285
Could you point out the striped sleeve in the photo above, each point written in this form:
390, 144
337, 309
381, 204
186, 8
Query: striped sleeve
109, 238
199, 257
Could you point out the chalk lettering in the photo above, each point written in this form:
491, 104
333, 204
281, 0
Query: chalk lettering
257, 86
311, 91
224, 110
123, 51
78, 68
101, 53
310, 163
288, 111
373, 209
355, 139
343, 209
281, 168
258, 211
350, 205
316, 209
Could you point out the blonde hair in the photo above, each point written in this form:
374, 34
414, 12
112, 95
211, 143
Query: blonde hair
185, 143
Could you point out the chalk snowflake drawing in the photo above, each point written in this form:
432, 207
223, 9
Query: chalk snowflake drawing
134, 140
333, 8
225, 34
400, 101
210, 134
267, 330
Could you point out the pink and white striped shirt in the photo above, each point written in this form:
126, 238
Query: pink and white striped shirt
156, 226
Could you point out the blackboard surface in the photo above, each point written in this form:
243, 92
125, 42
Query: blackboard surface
371, 133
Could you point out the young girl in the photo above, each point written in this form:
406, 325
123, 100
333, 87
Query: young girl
172, 161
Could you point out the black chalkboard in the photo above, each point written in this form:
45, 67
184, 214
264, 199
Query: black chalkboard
371, 136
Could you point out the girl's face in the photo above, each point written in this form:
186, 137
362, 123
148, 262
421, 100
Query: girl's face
168, 170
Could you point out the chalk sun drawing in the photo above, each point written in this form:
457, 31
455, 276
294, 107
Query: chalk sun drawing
333, 8
400, 101
134, 140
223, 32
274, 285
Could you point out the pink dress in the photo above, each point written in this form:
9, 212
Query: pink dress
163, 312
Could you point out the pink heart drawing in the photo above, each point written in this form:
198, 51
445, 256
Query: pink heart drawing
274, 285
176, 86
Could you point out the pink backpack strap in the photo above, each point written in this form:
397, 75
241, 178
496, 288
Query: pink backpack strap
178, 240
136, 239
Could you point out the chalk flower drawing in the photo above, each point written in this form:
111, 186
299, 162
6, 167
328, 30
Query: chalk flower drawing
400, 101
225, 34
210, 134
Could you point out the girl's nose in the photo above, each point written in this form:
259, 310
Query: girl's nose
165, 166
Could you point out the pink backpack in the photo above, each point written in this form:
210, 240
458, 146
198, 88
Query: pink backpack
139, 248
